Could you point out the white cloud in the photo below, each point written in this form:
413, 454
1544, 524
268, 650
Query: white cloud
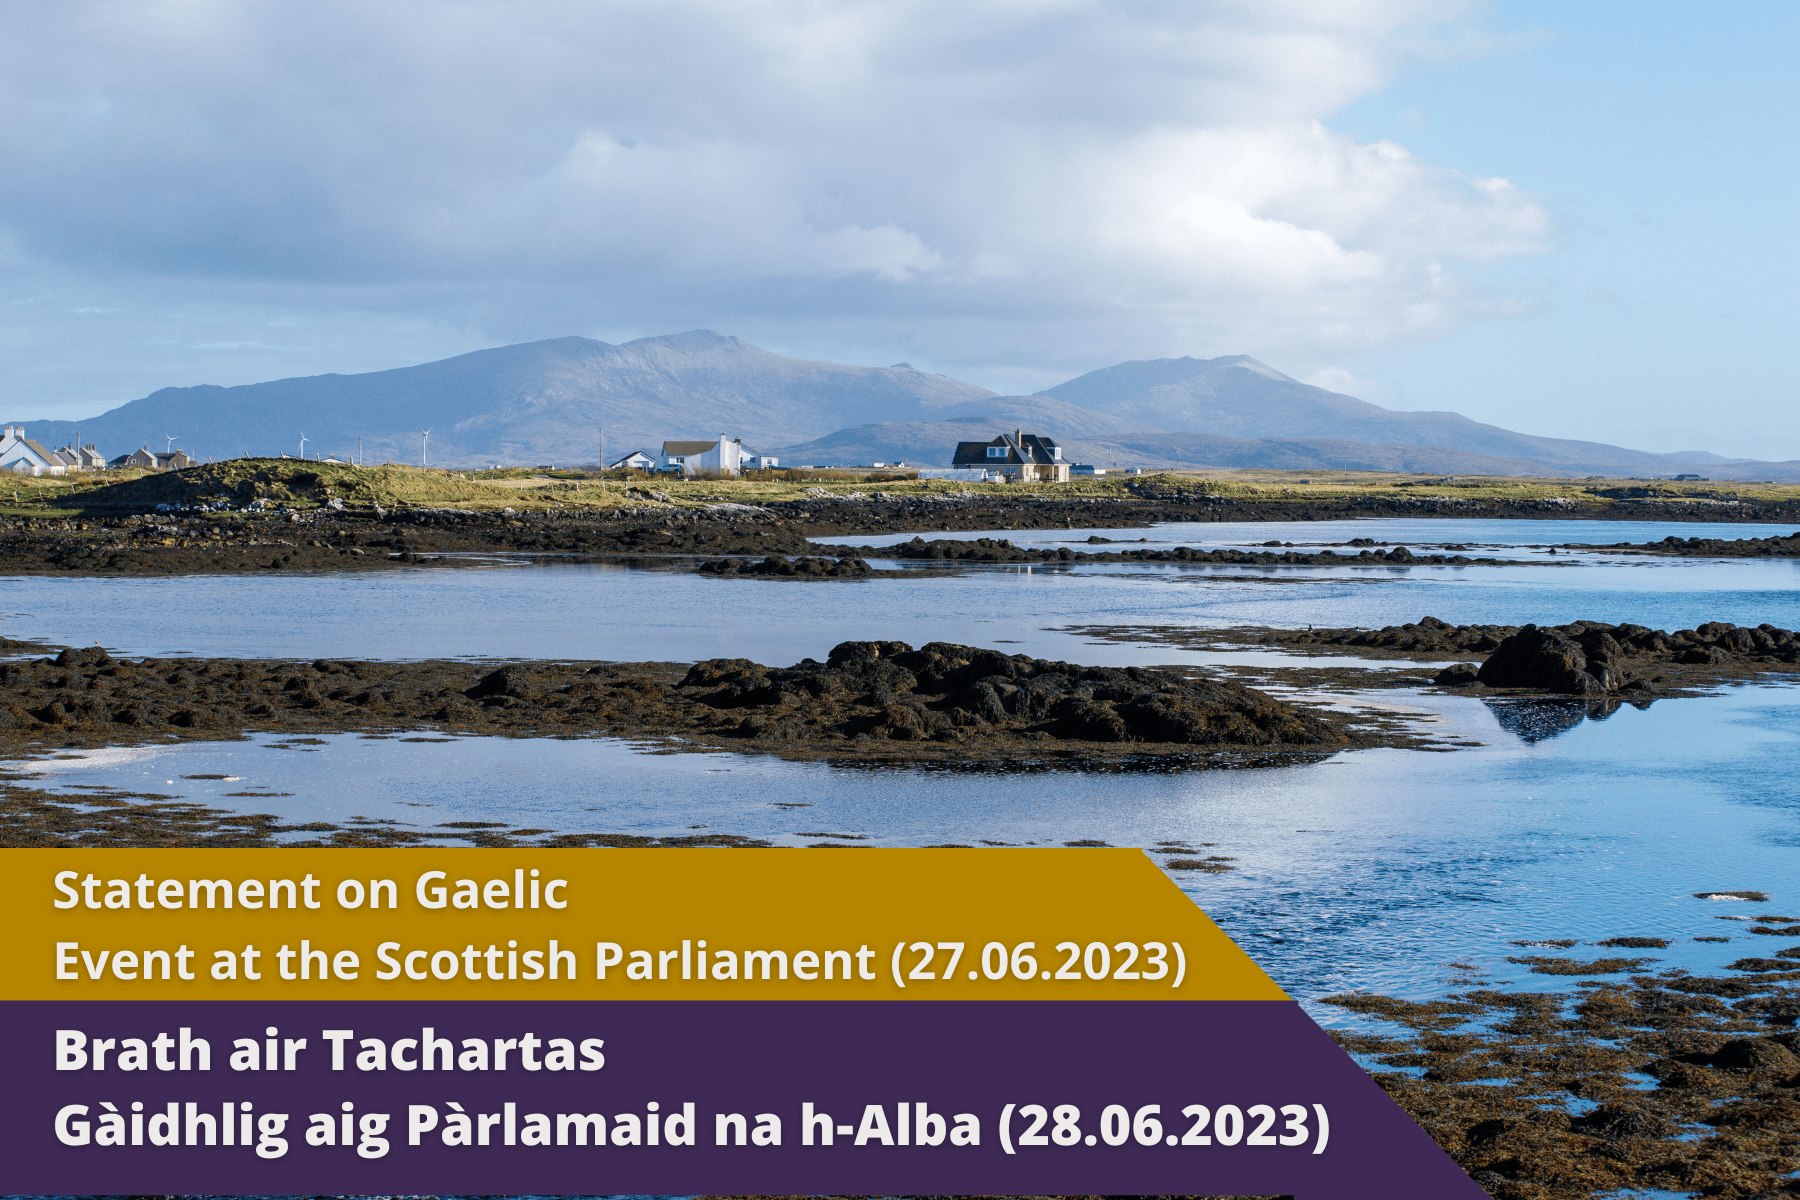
1021, 186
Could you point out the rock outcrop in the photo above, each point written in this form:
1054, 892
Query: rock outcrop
1588, 658
885, 699
889, 690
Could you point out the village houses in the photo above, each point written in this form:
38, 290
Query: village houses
153, 460
23, 456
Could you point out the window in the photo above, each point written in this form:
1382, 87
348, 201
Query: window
1056, 452
996, 451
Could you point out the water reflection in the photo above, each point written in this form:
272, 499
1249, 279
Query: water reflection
1535, 720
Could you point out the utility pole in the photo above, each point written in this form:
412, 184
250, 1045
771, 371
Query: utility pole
359, 449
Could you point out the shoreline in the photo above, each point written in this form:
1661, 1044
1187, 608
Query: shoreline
124, 542
872, 704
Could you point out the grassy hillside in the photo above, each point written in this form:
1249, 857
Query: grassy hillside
300, 484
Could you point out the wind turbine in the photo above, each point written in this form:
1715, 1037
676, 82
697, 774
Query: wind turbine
302, 445
425, 448
171, 446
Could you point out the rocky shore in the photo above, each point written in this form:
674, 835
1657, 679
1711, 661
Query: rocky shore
1640, 1082
870, 702
1583, 658
1699, 547
1274, 553
101, 541
880, 700
777, 567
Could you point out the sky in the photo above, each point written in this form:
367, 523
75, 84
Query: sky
1573, 220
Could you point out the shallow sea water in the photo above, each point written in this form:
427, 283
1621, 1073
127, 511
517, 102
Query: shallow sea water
545, 609
1494, 538
1371, 869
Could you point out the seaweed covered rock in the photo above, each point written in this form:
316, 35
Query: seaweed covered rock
946, 692
1540, 658
1002, 550
1764, 1055
774, 566
1458, 675
1695, 547
1589, 658
1427, 635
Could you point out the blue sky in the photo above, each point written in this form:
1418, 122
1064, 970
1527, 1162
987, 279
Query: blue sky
1571, 220
1661, 138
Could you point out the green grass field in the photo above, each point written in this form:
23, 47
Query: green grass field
300, 484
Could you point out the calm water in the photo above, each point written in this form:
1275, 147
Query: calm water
601, 612
1491, 538
1371, 869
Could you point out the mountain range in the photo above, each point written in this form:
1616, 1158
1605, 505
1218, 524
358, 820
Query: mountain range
547, 402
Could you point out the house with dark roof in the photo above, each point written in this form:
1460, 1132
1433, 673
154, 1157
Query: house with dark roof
1020, 457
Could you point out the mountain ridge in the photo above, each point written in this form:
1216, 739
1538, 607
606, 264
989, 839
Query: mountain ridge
547, 401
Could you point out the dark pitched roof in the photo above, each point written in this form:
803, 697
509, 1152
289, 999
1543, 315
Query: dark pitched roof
1038, 449
684, 448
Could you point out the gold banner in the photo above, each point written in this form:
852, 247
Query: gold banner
877, 924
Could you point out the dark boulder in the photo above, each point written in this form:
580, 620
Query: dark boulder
93, 657
1544, 659
511, 680
849, 655
1458, 675
1761, 1055
1617, 1122
1084, 719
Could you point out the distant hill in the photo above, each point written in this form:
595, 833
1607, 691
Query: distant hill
931, 444
1236, 396
535, 402
545, 402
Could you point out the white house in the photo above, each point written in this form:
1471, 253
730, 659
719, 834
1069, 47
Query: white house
637, 460
23, 456
727, 456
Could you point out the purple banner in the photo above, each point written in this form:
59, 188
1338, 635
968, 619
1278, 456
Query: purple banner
786, 1097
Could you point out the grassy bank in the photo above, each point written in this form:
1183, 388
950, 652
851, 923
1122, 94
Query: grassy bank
299, 484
